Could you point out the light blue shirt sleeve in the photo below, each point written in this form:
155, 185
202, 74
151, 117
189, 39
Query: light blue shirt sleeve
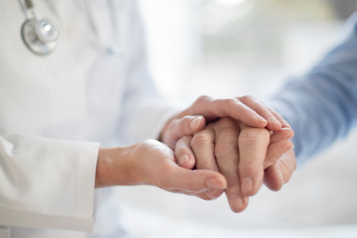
321, 106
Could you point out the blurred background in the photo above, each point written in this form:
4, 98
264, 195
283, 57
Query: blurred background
235, 47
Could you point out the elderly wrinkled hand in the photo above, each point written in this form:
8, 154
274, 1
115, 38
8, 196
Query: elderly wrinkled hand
212, 149
244, 155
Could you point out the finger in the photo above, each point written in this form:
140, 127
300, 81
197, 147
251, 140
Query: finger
194, 181
202, 145
203, 195
214, 193
253, 143
212, 109
273, 122
184, 154
280, 173
283, 122
275, 151
283, 134
227, 156
179, 127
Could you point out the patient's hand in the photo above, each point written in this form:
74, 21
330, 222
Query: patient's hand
244, 155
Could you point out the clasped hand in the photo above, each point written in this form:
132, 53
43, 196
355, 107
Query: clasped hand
242, 154
215, 145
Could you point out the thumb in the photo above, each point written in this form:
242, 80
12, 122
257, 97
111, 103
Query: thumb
193, 180
276, 151
180, 127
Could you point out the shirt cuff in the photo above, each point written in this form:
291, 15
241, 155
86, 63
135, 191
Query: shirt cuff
87, 165
82, 217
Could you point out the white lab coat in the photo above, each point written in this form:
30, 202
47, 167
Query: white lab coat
56, 110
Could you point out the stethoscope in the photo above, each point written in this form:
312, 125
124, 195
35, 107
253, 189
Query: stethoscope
41, 35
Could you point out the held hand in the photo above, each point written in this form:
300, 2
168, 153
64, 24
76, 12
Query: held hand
280, 172
241, 154
153, 163
246, 109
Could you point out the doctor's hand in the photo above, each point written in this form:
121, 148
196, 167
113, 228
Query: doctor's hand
153, 163
244, 155
246, 109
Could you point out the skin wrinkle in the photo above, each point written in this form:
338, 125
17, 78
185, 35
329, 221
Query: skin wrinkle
250, 136
156, 163
203, 137
208, 135
183, 146
287, 169
228, 130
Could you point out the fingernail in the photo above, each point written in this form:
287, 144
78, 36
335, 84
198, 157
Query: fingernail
236, 202
285, 124
273, 120
216, 183
259, 118
183, 159
247, 184
195, 123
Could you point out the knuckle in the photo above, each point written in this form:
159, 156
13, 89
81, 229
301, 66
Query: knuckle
202, 138
227, 122
247, 98
232, 182
251, 167
224, 150
253, 135
204, 164
229, 133
230, 101
204, 98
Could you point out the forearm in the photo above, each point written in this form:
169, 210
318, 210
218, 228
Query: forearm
320, 108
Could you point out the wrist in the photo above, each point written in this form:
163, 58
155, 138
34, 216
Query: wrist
115, 166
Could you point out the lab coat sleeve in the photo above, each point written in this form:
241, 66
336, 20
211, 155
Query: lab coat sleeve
47, 183
145, 112
322, 106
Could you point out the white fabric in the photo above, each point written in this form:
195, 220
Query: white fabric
53, 109
45, 181
5, 232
